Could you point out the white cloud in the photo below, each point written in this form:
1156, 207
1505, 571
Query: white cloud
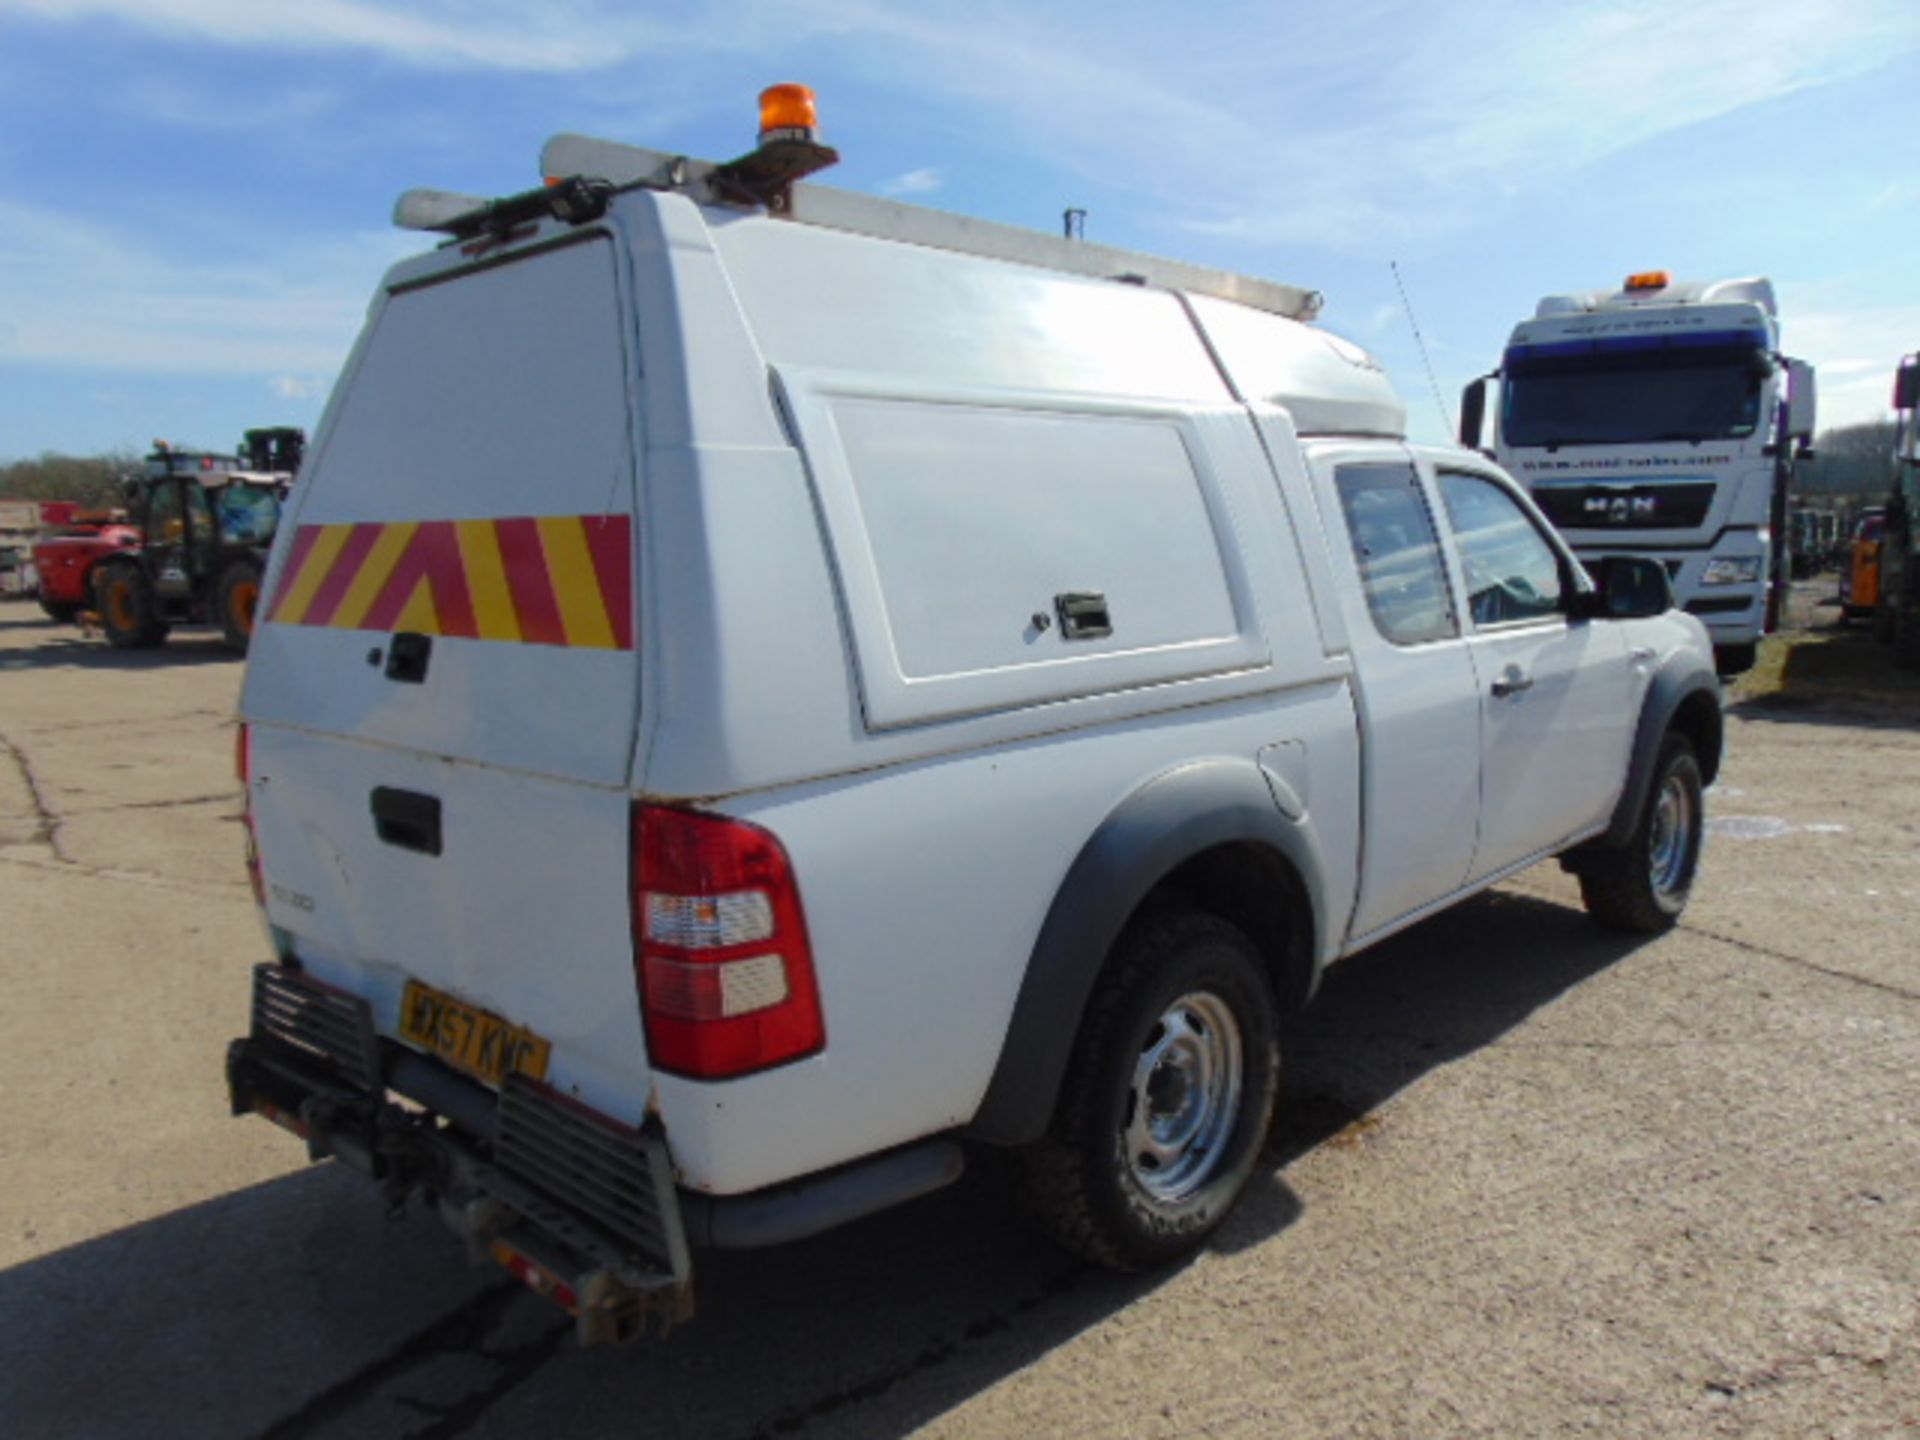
162, 101
1380, 118
545, 37
1854, 349
1347, 123
914, 182
299, 387
79, 293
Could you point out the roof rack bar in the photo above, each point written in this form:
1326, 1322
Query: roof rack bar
629, 166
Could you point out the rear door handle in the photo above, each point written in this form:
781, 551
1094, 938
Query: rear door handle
1511, 683
407, 818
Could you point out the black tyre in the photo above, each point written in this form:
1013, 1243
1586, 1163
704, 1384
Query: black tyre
1729, 660
1643, 886
1906, 636
61, 610
236, 601
1167, 1098
1884, 623
129, 610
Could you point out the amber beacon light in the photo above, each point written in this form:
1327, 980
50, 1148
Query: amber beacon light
1650, 280
788, 112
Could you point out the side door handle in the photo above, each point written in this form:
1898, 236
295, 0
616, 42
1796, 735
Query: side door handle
1512, 682
1640, 654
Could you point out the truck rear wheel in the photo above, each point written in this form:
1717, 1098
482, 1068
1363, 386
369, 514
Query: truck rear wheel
129, 610
1883, 622
238, 600
1906, 635
1643, 886
1167, 1098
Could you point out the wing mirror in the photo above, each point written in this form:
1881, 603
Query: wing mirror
1906, 384
1625, 587
1800, 404
1473, 413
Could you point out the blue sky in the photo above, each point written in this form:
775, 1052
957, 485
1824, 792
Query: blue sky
194, 194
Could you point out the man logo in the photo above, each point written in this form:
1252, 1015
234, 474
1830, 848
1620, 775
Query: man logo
1620, 509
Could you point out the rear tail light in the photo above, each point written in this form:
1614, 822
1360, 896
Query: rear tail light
720, 943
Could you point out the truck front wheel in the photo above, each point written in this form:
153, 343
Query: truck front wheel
129, 610
238, 599
1167, 1098
1644, 884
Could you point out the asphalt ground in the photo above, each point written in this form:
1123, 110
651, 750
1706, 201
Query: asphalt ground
1532, 1178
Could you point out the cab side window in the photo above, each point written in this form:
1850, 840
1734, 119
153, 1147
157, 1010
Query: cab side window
1397, 550
199, 515
1512, 573
166, 515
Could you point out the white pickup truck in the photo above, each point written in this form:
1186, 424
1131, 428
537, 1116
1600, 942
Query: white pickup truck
763, 690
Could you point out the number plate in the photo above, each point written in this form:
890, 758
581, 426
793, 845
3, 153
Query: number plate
470, 1039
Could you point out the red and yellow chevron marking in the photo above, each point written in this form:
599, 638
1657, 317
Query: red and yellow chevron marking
545, 580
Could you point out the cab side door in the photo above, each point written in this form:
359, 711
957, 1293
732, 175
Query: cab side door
1414, 680
1555, 692
173, 525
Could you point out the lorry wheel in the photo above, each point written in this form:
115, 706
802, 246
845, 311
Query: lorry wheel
1167, 1097
1906, 637
61, 610
238, 598
129, 611
1730, 660
1643, 886
1884, 623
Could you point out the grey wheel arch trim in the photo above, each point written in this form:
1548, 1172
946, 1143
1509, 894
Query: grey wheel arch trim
1674, 685
1169, 820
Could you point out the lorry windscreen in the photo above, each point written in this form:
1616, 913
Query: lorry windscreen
1601, 393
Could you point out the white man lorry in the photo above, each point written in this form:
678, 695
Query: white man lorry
763, 689
1661, 419
1896, 616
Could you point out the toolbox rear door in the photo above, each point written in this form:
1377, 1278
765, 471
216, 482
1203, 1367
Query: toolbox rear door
444, 688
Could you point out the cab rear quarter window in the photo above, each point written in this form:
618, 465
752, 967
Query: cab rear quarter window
1397, 550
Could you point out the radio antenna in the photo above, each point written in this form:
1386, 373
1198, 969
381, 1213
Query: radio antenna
1446, 420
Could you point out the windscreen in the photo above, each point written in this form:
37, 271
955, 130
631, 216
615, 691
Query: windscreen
246, 514
1632, 391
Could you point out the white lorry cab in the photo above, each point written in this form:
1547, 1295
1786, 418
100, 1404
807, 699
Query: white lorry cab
1661, 419
762, 690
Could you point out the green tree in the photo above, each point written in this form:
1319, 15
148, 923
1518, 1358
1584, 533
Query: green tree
1851, 460
89, 479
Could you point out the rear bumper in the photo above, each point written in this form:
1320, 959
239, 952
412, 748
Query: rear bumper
580, 1209
583, 1210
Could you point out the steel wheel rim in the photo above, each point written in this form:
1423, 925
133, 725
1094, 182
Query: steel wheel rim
1184, 1097
1670, 846
120, 604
